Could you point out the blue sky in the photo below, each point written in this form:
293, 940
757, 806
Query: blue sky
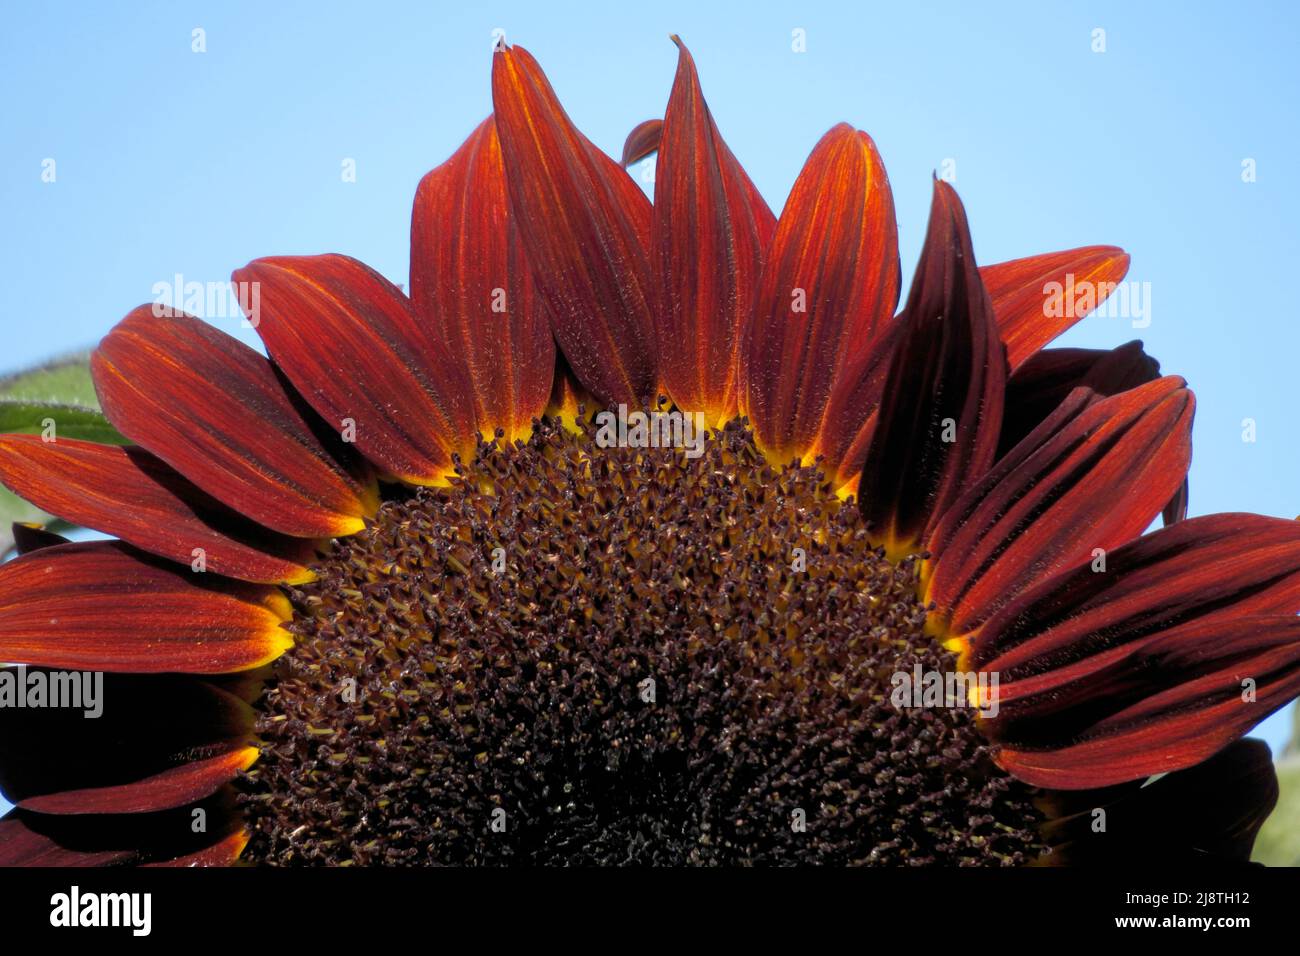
169, 161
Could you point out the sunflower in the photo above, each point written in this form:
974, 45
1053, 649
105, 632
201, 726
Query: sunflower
391, 595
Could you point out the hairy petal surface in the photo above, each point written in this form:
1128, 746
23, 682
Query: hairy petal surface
711, 229
101, 605
586, 231
126, 492
221, 415
939, 420
346, 338
1037, 298
829, 284
1110, 675
1093, 476
472, 289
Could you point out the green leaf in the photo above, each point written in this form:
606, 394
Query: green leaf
1278, 843
63, 381
57, 398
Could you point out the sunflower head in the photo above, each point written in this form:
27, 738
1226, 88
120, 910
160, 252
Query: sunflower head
643, 532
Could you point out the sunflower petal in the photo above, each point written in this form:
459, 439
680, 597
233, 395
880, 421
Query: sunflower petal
642, 141
32, 537
1095, 481
101, 605
1169, 701
1209, 813
585, 227
829, 283
345, 337
1239, 563
23, 843
1037, 298
472, 289
223, 852
854, 408
1109, 672
119, 757
1176, 509
173, 787
1040, 384
166, 837
938, 425
218, 413
126, 492
711, 229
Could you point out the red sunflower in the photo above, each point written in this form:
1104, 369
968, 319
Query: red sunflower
387, 596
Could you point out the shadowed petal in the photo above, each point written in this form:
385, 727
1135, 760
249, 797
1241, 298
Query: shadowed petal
103, 606
1044, 380
125, 491
1244, 563
585, 227
1037, 298
1169, 701
1092, 476
32, 537
1209, 813
224, 852
173, 787
119, 756
1176, 509
472, 289
642, 141
829, 283
711, 229
164, 838
346, 338
853, 409
218, 413
1115, 671
21, 844
938, 424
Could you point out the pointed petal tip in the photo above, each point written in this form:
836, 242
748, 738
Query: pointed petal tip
585, 227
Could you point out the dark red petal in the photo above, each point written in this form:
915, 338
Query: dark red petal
224, 852
151, 742
173, 787
1176, 509
167, 837
711, 230
585, 227
218, 413
1096, 480
642, 141
345, 336
938, 423
854, 406
1036, 388
1243, 563
22, 844
1039, 297
1170, 700
125, 491
829, 283
32, 537
103, 606
1209, 813
472, 289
